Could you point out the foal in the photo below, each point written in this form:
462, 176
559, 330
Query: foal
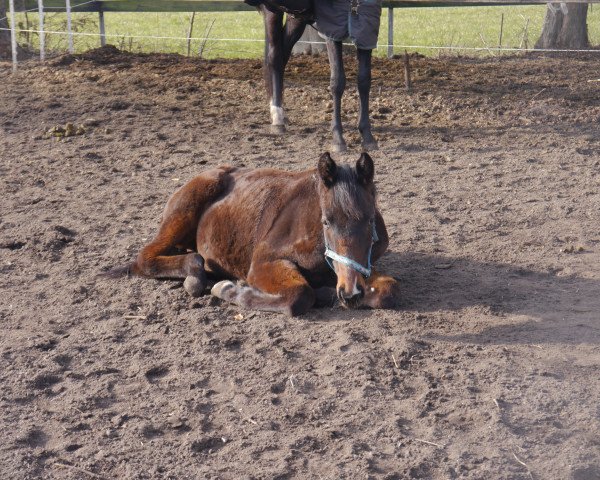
277, 241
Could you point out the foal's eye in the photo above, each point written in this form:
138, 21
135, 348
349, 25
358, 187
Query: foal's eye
326, 223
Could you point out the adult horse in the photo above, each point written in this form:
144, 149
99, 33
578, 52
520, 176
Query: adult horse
280, 37
358, 20
288, 240
336, 20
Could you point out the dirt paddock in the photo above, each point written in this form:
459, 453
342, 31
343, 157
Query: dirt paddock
488, 179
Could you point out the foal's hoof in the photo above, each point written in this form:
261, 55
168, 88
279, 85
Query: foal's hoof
278, 129
194, 285
383, 292
221, 289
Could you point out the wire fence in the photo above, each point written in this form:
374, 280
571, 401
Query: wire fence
456, 30
261, 41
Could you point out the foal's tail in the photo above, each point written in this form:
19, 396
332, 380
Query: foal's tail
118, 272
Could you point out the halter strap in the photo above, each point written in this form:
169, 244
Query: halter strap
332, 255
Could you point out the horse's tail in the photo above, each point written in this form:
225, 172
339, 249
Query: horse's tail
118, 272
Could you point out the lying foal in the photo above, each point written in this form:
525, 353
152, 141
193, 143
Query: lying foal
274, 240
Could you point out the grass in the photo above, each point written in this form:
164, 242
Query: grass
466, 27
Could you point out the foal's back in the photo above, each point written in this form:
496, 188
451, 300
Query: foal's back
264, 208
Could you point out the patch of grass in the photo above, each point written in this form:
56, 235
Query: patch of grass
241, 33
471, 27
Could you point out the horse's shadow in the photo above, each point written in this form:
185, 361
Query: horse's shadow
551, 308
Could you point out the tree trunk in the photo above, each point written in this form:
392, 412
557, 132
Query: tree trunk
565, 28
5, 51
309, 35
5, 43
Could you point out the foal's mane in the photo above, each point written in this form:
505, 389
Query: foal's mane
348, 193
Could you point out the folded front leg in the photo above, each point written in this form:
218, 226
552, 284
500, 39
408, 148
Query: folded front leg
382, 291
275, 286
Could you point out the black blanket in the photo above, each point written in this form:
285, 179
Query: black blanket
302, 8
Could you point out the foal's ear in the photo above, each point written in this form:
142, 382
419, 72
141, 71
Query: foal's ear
327, 169
365, 170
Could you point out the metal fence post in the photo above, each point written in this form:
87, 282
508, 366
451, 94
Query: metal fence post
69, 28
42, 34
13, 34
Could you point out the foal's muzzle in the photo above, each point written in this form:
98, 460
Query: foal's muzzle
351, 299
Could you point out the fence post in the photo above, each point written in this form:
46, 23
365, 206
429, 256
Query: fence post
69, 30
390, 49
102, 27
13, 35
42, 34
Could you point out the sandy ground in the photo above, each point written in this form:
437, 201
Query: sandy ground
488, 178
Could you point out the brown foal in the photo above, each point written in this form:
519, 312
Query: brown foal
262, 234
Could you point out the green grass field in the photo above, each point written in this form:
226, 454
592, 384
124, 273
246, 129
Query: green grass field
240, 34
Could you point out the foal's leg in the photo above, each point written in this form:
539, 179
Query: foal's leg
157, 259
337, 86
382, 291
177, 232
274, 66
364, 90
325, 297
383, 240
274, 286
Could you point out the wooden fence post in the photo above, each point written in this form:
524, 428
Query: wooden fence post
390, 48
102, 27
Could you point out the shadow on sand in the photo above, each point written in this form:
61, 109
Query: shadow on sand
562, 309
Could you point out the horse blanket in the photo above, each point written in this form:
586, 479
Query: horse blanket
298, 8
358, 20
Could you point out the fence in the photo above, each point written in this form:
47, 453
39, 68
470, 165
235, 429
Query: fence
102, 6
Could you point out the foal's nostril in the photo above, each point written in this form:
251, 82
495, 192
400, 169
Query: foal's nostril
349, 298
361, 292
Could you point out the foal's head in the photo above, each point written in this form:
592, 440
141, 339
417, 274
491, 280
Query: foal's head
347, 198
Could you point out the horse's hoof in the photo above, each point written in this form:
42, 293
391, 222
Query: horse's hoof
370, 146
221, 288
194, 286
338, 147
278, 129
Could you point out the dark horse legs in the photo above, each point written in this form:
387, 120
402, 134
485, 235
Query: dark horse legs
280, 38
337, 87
364, 91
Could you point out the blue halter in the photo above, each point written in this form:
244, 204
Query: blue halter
331, 255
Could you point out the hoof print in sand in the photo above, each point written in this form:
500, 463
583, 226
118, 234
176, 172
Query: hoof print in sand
156, 373
150, 431
207, 445
44, 381
33, 438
